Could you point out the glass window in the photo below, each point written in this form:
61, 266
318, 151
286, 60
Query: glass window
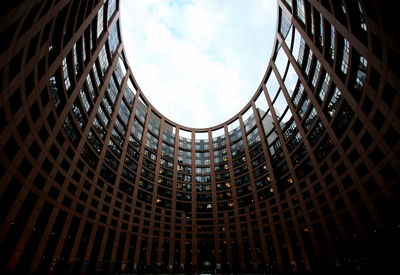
218, 137
124, 112
249, 119
321, 30
76, 62
272, 85
261, 103
299, 93
99, 128
120, 126
284, 24
302, 48
291, 80
333, 103
103, 116
346, 52
268, 123
141, 110
301, 11
361, 73
120, 71
96, 75
253, 138
154, 123
92, 91
114, 148
309, 59
103, 60
79, 114
151, 142
234, 130
303, 107
129, 94
113, 40
185, 157
332, 45
96, 143
86, 103
67, 81
71, 131
237, 148
108, 105
324, 87
169, 133
137, 129
316, 74
111, 9
167, 151
310, 119
112, 90
362, 19
100, 18
281, 61
280, 105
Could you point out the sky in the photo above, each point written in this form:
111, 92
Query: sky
198, 62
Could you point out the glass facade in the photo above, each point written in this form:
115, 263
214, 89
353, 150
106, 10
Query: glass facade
94, 180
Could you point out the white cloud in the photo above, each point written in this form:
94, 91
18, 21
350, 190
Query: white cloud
198, 62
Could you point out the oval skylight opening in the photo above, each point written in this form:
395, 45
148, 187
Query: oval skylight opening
198, 62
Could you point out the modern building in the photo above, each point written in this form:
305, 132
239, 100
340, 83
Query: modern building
305, 178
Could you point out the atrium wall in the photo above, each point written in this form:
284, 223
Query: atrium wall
93, 179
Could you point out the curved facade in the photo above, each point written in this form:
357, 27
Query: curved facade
305, 178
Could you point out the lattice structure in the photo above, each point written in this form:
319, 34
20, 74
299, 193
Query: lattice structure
93, 179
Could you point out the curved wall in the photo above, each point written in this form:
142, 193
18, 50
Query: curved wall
95, 180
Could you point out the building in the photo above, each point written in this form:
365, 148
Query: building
305, 178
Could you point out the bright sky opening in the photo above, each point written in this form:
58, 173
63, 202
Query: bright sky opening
198, 62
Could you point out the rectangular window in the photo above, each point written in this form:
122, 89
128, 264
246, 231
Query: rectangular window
79, 114
67, 82
332, 45
113, 40
99, 128
303, 107
83, 48
100, 18
285, 24
111, 9
324, 87
361, 74
118, 71
301, 52
103, 60
309, 59
362, 19
310, 119
108, 105
112, 90
137, 129
129, 95
103, 115
312, 26
316, 74
96, 75
124, 112
321, 30
298, 95
76, 63
85, 101
301, 11
120, 126
333, 103
346, 52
